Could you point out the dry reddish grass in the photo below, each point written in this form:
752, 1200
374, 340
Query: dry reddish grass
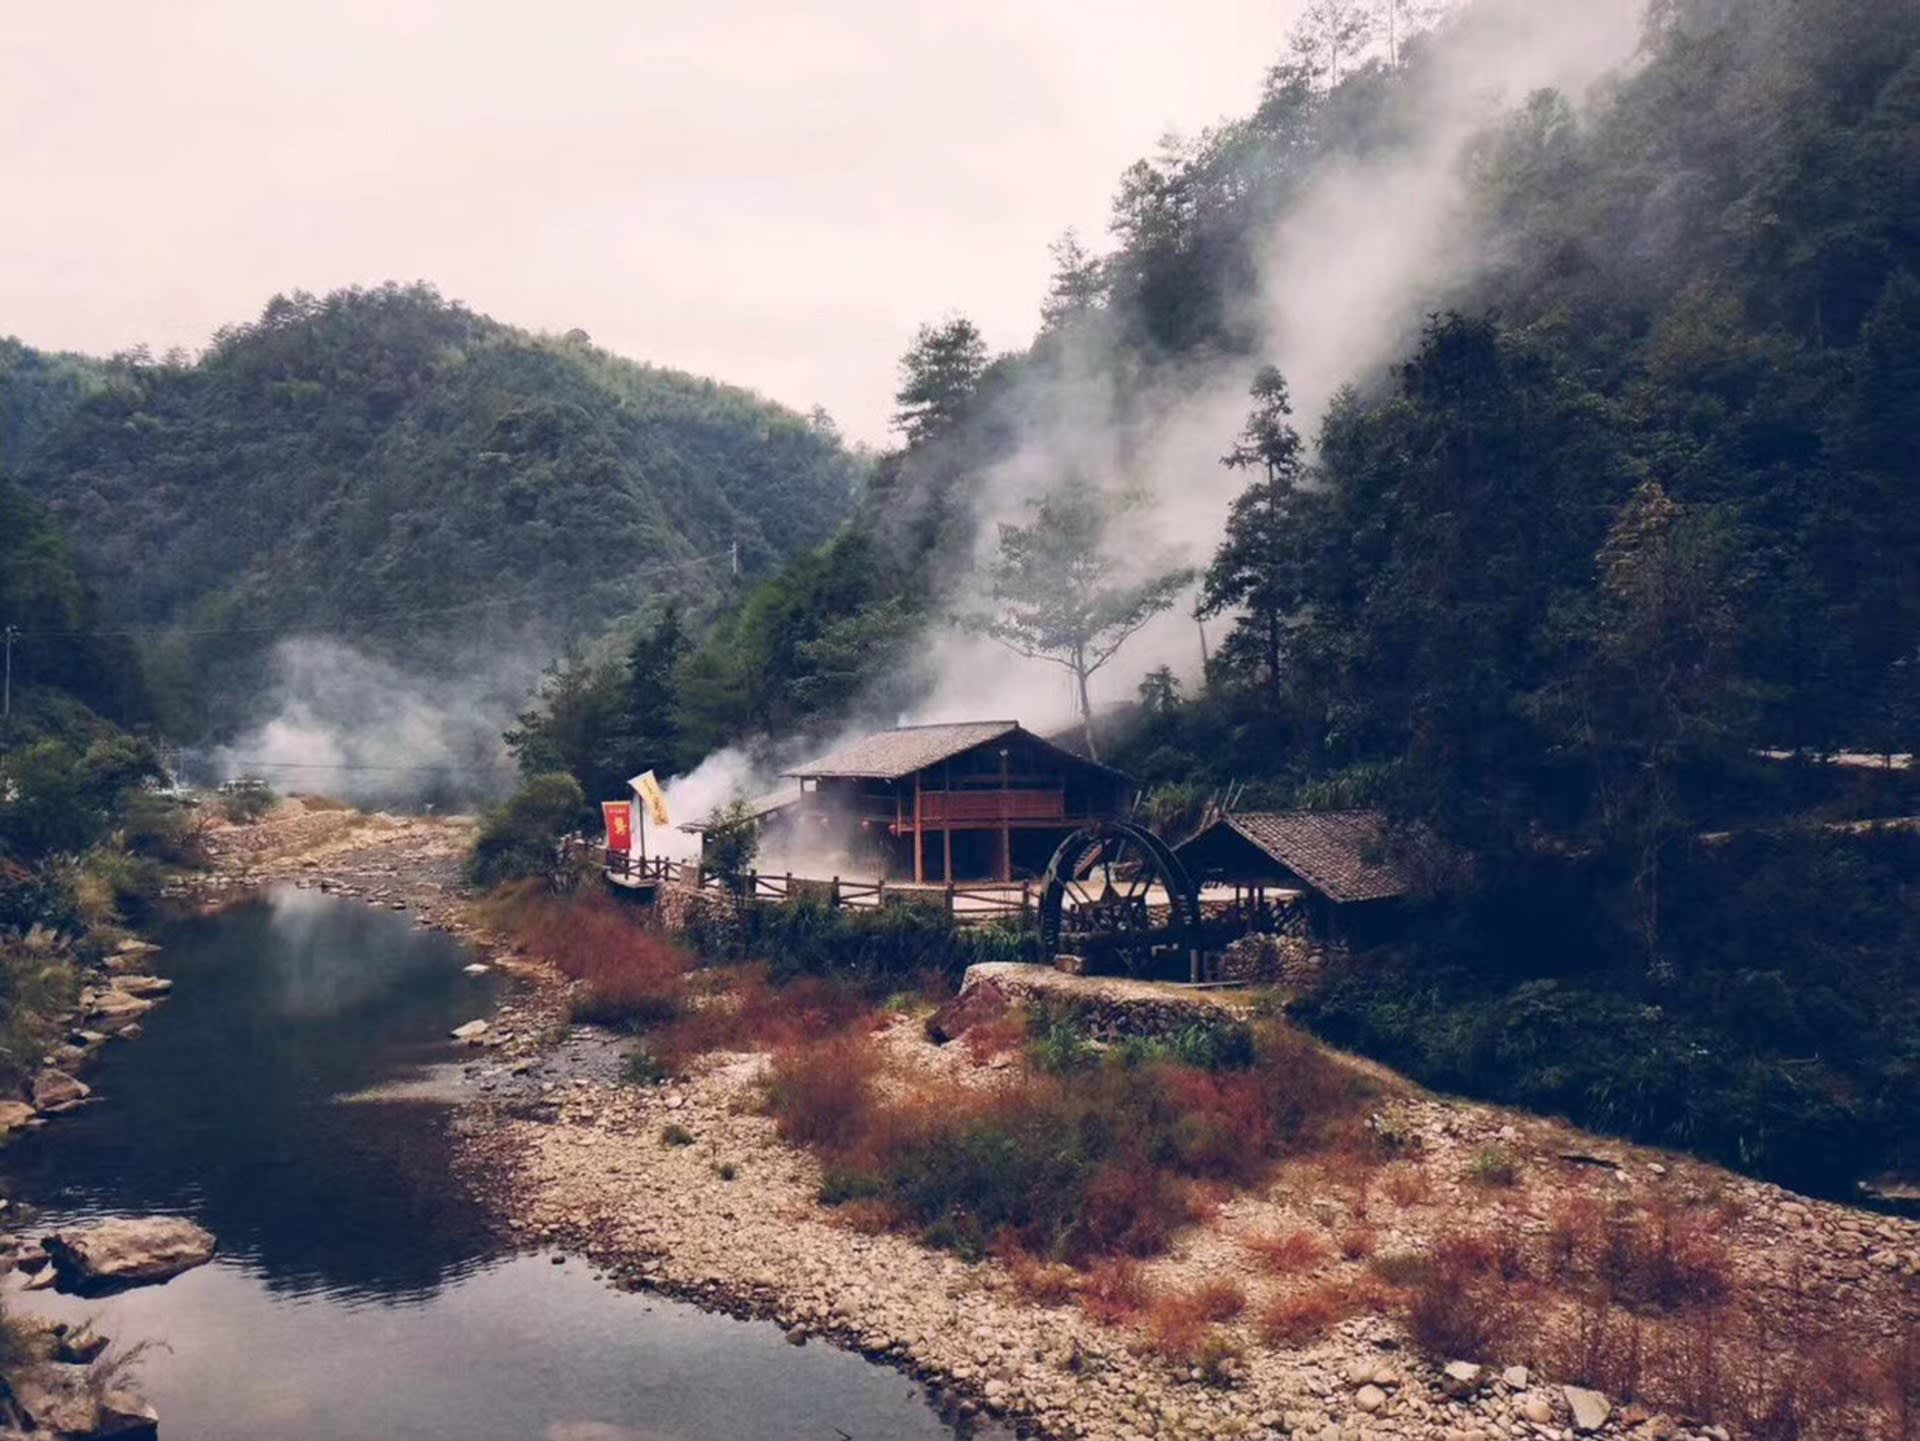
1000, 1036
1407, 1183
1663, 1257
624, 973
1288, 1252
822, 1094
1220, 1299
1298, 1318
1358, 1243
1044, 1283
1114, 1291
1176, 1327
1463, 1306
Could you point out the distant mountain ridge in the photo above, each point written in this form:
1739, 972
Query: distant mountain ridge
387, 454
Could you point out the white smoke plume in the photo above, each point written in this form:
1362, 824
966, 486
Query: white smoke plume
1369, 246
345, 724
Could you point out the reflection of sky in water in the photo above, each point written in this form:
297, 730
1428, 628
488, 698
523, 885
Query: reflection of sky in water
357, 1296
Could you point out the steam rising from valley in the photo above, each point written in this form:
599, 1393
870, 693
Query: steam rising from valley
1370, 243
347, 724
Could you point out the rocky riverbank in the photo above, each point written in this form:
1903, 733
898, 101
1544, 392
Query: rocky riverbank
685, 1188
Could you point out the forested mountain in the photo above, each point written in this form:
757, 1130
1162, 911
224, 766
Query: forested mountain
1631, 510
393, 468
1708, 274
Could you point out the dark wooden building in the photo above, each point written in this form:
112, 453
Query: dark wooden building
1337, 861
971, 801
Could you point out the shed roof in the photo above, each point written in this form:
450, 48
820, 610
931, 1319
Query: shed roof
1338, 853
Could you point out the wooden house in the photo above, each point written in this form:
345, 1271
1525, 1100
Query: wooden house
972, 801
1337, 862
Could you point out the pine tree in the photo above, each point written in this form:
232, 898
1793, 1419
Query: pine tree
1256, 568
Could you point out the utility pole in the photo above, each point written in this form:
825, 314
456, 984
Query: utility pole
13, 634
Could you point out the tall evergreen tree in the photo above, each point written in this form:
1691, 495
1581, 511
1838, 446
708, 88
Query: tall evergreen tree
938, 376
1257, 567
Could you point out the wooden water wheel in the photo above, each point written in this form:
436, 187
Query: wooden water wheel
1117, 897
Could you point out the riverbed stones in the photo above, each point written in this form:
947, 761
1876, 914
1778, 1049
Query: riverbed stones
145, 987
131, 1251
1590, 1409
112, 1011
56, 1091
473, 1032
14, 1116
1460, 1379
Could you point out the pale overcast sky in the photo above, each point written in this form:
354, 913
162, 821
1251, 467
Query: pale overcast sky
770, 192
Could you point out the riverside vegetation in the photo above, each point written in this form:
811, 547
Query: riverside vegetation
1233, 1207
1646, 468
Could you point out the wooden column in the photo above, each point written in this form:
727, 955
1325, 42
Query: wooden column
1006, 824
919, 836
946, 828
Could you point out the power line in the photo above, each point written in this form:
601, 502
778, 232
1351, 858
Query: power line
364, 618
241, 763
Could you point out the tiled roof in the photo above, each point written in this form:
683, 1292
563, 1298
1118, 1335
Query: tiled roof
889, 755
1338, 853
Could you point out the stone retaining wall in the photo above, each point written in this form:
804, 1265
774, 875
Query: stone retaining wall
1108, 1008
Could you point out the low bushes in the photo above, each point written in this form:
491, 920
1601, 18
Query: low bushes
520, 839
626, 976
882, 948
1772, 1033
1100, 1161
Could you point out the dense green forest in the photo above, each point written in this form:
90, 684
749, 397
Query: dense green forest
391, 467
1610, 558
85, 837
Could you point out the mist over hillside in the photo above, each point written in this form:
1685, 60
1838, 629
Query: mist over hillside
447, 499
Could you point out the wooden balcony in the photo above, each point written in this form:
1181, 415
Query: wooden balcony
992, 808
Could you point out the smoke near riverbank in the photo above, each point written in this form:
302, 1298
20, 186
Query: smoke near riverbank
343, 723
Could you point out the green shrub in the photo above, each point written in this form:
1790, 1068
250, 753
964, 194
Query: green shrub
243, 802
642, 1068
1493, 1166
1776, 1038
521, 838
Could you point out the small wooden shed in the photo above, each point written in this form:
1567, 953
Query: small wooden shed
1337, 860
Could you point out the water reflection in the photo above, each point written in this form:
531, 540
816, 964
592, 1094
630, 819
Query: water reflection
356, 1296
226, 1113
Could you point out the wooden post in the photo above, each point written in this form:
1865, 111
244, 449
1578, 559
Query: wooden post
919, 836
1006, 822
946, 827
950, 909
833, 894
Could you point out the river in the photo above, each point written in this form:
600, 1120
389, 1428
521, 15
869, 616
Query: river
357, 1294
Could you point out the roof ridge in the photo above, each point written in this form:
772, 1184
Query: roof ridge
943, 725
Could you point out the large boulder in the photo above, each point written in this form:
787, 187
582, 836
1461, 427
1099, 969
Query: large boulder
141, 986
129, 1252
978, 1004
63, 1404
1590, 1409
55, 1091
14, 1116
112, 1011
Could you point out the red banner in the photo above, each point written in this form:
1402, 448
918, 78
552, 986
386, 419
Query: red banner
619, 818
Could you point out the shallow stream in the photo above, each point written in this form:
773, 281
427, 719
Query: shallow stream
357, 1294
